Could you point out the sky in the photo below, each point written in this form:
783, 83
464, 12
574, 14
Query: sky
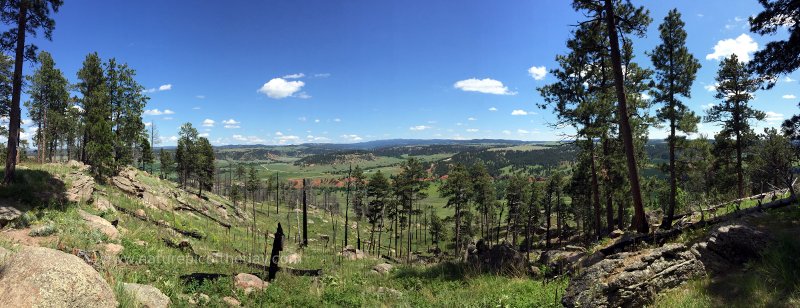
316, 71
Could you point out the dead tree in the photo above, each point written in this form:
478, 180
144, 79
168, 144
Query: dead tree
277, 247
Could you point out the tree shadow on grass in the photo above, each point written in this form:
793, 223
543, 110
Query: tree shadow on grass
33, 189
448, 271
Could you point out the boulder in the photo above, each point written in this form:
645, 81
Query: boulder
102, 204
383, 268
113, 249
632, 279
730, 245
616, 233
249, 283
232, 302
44, 277
146, 295
140, 213
501, 258
563, 260
127, 182
352, 254
8, 214
98, 223
82, 187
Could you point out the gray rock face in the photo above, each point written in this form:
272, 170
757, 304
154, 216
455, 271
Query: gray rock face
501, 258
561, 261
632, 279
146, 296
97, 222
43, 277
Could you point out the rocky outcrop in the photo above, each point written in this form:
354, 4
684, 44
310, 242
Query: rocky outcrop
102, 204
501, 258
146, 296
100, 224
352, 253
632, 279
81, 188
8, 213
249, 283
127, 182
382, 268
43, 277
562, 261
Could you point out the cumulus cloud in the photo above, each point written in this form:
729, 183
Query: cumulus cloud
710, 87
163, 87
208, 123
247, 139
774, 117
352, 138
471, 119
742, 46
788, 79
537, 72
156, 112
279, 88
519, 112
472, 130
203, 135
506, 132
486, 85
419, 127
200, 96
789, 96
522, 131
492, 109
231, 123
337, 120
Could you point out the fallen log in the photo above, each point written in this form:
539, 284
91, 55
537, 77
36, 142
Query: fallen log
285, 269
186, 207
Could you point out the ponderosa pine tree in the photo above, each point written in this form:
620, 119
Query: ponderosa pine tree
483, 195
166, 163
204, 168
457, 189
515, 200
735, 87
127, 103
24, 17
147, 152
185, 157
378, 191
676, 70
359, 192
98, 138
48, 104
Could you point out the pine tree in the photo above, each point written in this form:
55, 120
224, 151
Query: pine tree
735, 88
379, 192
515, 199
457, 189
185, 157
49, 101
98, 137
166, 162
147, 152
203, 164
483, 195
24, 17
676, 70
359, 192
127, 103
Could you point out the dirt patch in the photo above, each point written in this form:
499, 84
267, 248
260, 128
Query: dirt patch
20, 236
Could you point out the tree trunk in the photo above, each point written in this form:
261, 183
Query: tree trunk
595, 189
15, 113
640, 223
673, 182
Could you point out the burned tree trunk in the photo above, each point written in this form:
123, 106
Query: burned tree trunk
277, 247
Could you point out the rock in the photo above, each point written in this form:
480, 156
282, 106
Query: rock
5, 254
616, 233
501, 258
730, 245
113, 249
7, 214
98, 223
389, 291
249, 283
632, 279
82, 187
140, 213
382, 268
561, 261
140, 243
231, 301
352, 254
156, 201
146, 295
127, 182
102, 204
293, 258
38, 276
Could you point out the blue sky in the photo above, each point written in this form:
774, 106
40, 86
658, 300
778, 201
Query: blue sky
287, 72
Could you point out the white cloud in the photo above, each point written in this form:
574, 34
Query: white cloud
200, 96
472, 130
492, 109
316, 120
789, 96
742, 46
487, 85
302, 119
208, 123
788, 79
506, 132
337, 120
471, 119
165, 87
279, 88
419, 127
231, 123
278, 134
247, 139
522, 131
156, 112
710, 87
519, 112
773, 117
537, 72
707, 106
294, 76
303, 95
646, 96
352, 138
322, 75
203, 135
147, 124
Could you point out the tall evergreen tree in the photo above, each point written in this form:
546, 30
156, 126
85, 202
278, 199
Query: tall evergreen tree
457, 189
48, 104
185, 158
98, 138
483, 195
676, 70
204, 164
24, 17
735, 87
378, 191
166, 163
